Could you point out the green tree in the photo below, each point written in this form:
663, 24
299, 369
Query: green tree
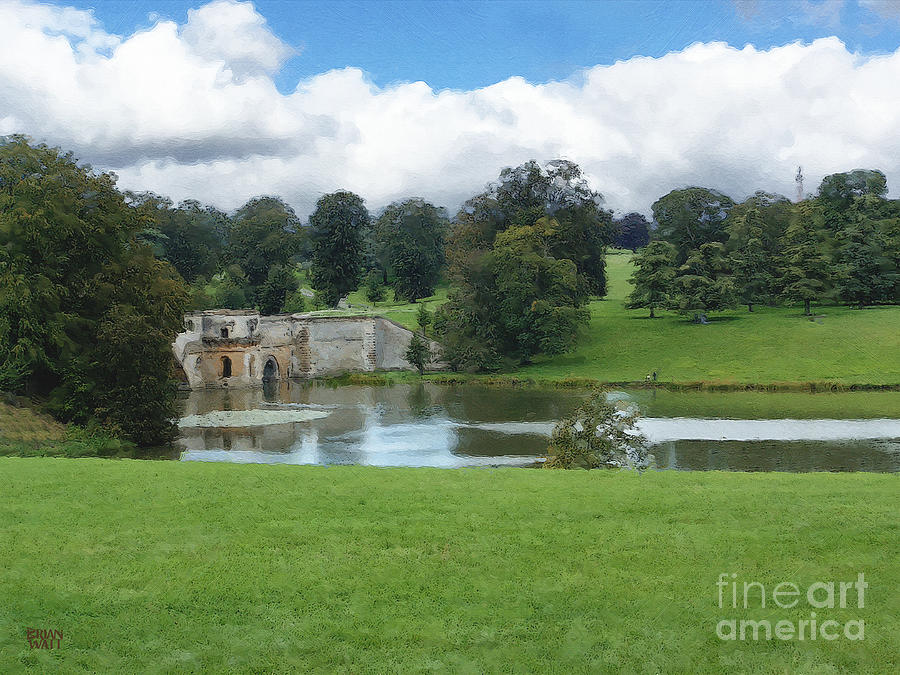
190, 237
523, 258
423, 318
632, 231
653, 277
410, 242
272, 296
597, 435
703, 283
375, 291
805, 274
865, 274
87, 314
418, 353
539, 302
264, 232
339, 226
751, 264
690, 218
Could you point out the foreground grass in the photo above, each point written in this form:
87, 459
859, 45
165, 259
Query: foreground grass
161, 567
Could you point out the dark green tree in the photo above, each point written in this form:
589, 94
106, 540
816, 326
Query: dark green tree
751, 264
690, 218
632, 231
87, 314
805, 273
410, 241
703, 283
418, 353
339, 226
263, 232
865, 274
375, 291
272, 296
653, 277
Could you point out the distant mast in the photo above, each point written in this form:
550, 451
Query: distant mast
799, 181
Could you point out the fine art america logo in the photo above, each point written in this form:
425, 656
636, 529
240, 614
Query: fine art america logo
43, 638
821, 595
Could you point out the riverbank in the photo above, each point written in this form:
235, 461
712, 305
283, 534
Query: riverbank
202, 567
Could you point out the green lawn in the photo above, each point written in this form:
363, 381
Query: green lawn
169, 567
770, 345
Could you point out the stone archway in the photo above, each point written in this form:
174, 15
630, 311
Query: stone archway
270, 370
226, 367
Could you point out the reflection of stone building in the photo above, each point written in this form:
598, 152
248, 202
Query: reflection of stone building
227, 348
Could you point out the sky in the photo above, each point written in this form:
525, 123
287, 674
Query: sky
226, 100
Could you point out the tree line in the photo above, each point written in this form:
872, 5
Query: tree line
94, 281
710, 254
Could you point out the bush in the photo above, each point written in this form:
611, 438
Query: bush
597, 435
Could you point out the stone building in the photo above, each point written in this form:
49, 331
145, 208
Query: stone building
239, 348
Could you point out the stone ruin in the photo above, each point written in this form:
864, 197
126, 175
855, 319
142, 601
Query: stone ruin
241, 348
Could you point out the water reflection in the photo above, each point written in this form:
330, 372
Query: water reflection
455, 426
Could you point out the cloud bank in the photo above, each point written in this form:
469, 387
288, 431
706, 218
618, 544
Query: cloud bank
192, 111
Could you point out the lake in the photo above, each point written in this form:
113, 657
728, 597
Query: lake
445, 426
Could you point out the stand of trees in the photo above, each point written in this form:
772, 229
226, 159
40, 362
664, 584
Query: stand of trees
524, 257
840, 245
87, 312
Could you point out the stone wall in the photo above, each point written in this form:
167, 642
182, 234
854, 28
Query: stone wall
223, 348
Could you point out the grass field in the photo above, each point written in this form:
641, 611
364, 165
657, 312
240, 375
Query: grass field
840, 346
165, 567
770, 345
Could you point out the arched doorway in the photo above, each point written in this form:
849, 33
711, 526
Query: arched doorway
270, 370
226, 367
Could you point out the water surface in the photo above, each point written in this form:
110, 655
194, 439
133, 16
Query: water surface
470, 425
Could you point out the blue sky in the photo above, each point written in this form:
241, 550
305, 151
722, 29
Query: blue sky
223, 100
464, 45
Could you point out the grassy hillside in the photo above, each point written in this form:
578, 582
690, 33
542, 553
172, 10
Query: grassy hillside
164, 566
770, 345
25, 425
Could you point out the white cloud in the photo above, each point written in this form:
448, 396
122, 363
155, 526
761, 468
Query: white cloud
189, 112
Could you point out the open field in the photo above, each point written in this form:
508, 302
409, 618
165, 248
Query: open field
842, 346
164, 566
770, 345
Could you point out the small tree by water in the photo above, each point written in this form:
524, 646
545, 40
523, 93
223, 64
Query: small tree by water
418, 353
597, 435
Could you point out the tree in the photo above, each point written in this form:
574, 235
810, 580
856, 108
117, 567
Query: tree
375, 292
703, 283
751, 264
190, 237
632, 231
805, 275
418, 353
865, 273
690, 218
597, 435
582, 228
653, 277
523, 258
423, 318
339, 226
87, 314
272, 296
538, 298
264, 232
410, 242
